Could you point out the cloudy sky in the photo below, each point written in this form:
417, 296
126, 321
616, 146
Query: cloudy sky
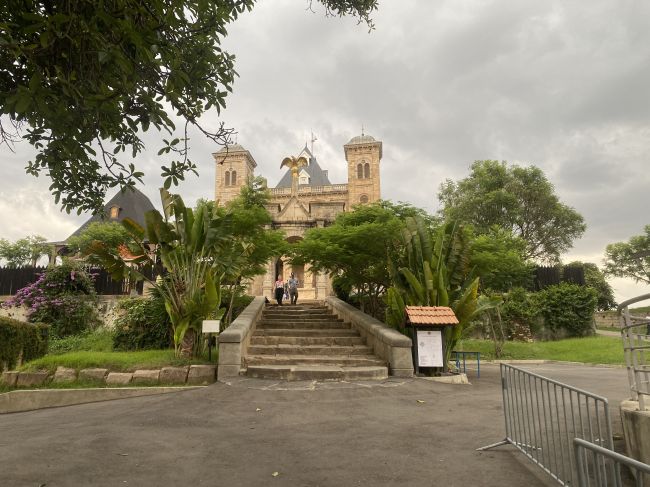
564, 85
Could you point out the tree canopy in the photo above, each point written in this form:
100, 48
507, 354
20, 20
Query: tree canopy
82, 80
498, 257
630, 259
24, 251
356, 248
112, 234
518, 199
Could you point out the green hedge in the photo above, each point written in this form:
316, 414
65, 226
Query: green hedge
17, 336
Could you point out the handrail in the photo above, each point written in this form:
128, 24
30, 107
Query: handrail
627, 303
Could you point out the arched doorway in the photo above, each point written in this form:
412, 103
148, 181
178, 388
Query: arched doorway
279, 269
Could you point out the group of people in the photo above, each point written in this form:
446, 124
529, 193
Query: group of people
286, 290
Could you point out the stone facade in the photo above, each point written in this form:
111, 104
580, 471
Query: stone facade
311, 201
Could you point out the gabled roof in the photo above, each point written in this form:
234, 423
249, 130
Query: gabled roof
431, 315
317, 176
132, 203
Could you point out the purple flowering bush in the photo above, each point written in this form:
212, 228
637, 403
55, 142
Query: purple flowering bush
62, 297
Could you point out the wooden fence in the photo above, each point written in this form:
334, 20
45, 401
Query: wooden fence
550, 276
13, 279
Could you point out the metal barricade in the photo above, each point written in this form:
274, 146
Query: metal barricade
635, 331
610, 460
543, 416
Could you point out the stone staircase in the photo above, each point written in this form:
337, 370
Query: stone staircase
309, 342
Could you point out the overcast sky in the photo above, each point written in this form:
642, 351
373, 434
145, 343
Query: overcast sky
564, 85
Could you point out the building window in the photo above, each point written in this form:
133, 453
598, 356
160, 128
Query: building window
363, 199
233, 178
366, 171
115, 211
360, 171
227, 182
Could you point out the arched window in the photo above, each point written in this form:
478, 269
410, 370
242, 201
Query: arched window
115, 211
233, 178
360, 171
227, 183
366, 171
363, 199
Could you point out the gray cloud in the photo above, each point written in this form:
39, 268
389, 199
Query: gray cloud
559, 84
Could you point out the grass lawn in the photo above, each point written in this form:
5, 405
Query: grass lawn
95, 349
114, 361
590, 350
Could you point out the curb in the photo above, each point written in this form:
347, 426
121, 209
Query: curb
542, 362
33, 399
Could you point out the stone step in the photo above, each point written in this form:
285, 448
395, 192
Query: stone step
296, 310
301, 349
304, 325
306, 340
306, 317
317, 372
305, 332
335, 360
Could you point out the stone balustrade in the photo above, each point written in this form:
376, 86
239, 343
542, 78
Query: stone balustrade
234, 340
386, 342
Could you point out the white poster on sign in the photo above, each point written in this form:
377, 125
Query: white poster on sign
211, 326
429, 348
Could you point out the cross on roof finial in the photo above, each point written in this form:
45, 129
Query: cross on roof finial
362, 134
313, 139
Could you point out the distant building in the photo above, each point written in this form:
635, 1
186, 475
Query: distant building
130, 203
313, 201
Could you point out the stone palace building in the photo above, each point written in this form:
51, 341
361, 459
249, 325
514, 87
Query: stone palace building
303, 199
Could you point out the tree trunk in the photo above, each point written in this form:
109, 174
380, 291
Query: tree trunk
187, 345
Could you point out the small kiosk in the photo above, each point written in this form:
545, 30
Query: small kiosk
427, 324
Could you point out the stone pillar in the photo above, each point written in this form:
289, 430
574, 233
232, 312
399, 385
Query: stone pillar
322, 283
269, 280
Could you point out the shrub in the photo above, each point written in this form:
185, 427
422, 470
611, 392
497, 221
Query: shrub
62, 297
144, 324
520, 310
100, 340
19, 339
567, 309
238, 305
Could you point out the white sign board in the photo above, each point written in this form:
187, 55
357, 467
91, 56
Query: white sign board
211, 326
429, 348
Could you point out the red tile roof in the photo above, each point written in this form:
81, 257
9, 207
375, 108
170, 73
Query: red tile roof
431, 315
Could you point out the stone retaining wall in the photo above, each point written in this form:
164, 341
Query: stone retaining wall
386, 342
234, 340
191, 375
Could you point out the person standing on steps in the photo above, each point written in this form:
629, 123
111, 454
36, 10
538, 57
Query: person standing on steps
279, 290
293, 289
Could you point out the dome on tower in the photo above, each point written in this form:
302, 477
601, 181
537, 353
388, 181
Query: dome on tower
361, 139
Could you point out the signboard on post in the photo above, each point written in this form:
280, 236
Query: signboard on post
427, 325
211, 326
429, 344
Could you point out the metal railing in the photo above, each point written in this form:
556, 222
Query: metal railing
609, 461
635, 331
543, 416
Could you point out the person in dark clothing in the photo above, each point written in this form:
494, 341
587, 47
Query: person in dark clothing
279, 290
293, 289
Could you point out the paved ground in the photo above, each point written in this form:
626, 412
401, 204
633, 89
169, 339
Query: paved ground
311, 434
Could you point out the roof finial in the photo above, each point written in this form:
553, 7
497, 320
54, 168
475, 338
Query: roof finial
313, 139
362, 134
236, 136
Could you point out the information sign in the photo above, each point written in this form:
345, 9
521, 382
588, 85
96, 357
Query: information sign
429, 348
211, 326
